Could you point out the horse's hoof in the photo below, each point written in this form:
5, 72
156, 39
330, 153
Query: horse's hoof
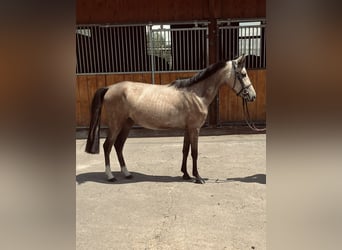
186, 177
199, 181
112, 179
129, 176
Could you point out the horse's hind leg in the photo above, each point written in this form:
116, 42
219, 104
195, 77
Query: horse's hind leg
186, 146
107, 148
193, 135
119, 144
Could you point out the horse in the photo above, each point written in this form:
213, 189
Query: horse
181, 104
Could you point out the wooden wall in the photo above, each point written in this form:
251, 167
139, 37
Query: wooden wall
137, 11
230, 107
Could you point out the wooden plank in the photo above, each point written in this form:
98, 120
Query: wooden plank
127, 77
84, 102
261, 96
100, 81
223, 103
252, 106
165, 78
92, 87
113, 78
137, 77
130, 11
78, 105
147, 78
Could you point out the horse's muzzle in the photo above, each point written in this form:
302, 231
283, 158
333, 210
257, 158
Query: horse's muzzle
249, 98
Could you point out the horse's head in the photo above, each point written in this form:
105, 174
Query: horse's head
241, 83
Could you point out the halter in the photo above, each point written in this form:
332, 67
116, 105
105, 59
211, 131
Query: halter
248, 119
239, 76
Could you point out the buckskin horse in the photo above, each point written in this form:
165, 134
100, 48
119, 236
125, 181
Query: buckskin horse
182, 104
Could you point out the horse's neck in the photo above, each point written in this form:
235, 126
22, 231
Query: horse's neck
209, 88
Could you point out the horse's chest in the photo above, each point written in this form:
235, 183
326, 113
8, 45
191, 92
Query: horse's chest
197, 113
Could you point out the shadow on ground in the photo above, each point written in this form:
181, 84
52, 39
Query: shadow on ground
100, 177
257, 178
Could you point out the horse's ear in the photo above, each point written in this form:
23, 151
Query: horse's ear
241, 61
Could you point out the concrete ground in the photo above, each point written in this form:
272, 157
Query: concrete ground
157, 209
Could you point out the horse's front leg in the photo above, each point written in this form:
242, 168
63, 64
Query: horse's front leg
193, 135
186, 147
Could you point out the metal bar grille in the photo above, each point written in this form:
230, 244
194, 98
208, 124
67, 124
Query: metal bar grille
243, 37
166, 47
141, 48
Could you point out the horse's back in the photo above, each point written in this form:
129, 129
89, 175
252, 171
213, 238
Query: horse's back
151, 106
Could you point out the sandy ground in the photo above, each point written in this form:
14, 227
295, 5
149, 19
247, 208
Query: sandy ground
158, 210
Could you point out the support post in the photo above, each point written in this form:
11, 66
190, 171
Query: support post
213, 39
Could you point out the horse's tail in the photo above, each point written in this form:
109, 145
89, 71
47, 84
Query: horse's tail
93, 140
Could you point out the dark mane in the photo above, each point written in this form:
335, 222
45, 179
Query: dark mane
212, 69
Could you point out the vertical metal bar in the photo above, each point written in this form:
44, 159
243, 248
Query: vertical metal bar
221, 51
206, 39
200, 55
228, 40
101, 50
116, 39
115, 45
157, 50
225, 43
183, 49
160, 50
172, 43
105, 49
234, 45
173, 48
244, 40
152, 52
91, 48
188, 46
79, 68
118, 49
145, 49
87, 52
96, 48
195, 50
83, 52
137, 46
264, 50
122, 52
129, 48
163, 50
251, 52
127, 59
112, 54
92, 54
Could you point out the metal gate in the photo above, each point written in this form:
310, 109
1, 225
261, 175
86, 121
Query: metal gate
111, 49
237, 37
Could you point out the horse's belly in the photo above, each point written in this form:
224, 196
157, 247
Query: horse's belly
159, 107
163, 117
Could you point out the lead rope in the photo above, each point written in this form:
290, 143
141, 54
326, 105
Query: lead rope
248, 120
